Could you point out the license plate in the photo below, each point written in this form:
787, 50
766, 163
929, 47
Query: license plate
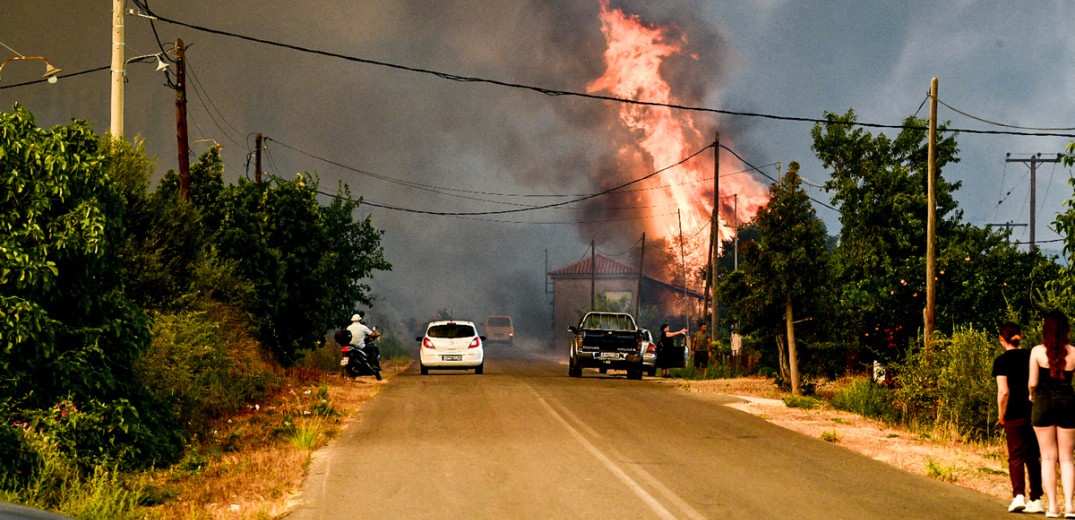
343, 362
608, 355
452, 358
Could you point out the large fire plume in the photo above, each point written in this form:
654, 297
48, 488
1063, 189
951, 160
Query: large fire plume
634, 58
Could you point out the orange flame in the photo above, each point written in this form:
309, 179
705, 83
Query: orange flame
633, 58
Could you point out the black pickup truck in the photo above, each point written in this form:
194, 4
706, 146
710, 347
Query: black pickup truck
606, 340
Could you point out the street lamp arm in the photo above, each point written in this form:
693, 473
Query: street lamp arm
50, 71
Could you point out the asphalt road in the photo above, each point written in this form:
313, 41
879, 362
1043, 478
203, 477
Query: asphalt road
526, 441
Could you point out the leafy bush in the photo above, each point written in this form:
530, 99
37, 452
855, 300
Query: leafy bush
863, 397
950, 385
202, 367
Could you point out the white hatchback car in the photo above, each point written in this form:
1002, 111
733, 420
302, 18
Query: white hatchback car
452, 345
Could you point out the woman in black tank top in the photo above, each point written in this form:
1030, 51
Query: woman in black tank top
1053, 413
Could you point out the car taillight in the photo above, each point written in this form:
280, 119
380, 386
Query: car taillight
345, 348
651, 349
426, 343
476, 343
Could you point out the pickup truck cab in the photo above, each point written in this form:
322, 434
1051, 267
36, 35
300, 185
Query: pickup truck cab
606, 340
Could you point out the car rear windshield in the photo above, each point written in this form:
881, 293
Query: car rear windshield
608, 322
499, 322
451, 330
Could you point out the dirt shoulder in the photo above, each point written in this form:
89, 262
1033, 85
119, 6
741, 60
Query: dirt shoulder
983, 468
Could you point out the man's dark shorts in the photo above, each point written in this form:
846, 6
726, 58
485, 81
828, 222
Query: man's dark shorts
701, 359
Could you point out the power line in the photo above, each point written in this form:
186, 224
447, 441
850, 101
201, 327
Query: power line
994, 123
557, 92
60, 76
534, 208
744, 161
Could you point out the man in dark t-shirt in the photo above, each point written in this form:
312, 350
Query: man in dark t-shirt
1012, 369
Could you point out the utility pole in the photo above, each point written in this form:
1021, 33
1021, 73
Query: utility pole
593, 277
117, 69
683, 262
1033, 162
181, 121
714, 246
257, 165
931, 220
641, 266
735, 245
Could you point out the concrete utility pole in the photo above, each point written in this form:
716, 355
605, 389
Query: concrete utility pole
181, 121
931, 220
118, 45
714, 246
1033, 161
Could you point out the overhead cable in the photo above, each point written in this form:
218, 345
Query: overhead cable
557, 92
546, 206
994, 123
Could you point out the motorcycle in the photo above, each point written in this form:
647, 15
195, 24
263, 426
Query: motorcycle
355, 361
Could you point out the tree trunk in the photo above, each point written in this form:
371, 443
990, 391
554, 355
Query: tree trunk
782, 352
792, 356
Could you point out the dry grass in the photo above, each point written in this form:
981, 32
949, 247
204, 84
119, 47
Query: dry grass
983, 468
255, 461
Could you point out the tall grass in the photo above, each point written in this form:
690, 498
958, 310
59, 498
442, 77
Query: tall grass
860, 395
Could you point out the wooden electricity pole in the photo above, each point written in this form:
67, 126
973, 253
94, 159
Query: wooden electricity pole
593, 277
257, 158
931, 220
181, 121
641, 266
714, 245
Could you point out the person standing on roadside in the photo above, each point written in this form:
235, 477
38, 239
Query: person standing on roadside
1053, 410
668, 356
701, 345
1013, 405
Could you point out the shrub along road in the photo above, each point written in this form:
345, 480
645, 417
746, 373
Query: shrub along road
525, 441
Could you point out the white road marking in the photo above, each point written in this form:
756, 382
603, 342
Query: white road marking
631, 484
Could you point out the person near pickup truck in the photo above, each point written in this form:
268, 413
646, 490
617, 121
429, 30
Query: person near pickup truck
668, 356
701, 345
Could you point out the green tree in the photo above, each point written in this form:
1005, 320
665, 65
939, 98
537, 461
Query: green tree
879, 184
787, 267
306, 262
67, 331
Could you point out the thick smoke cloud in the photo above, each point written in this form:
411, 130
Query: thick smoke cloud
471, 147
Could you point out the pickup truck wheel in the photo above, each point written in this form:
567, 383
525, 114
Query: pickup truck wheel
603, 370
634, 373
573, 370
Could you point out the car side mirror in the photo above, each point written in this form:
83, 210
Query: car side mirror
418, 339
482, 338
572, 329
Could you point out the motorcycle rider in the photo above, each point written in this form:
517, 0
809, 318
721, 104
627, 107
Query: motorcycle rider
362, 336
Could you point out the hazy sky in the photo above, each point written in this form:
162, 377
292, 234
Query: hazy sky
1009, 62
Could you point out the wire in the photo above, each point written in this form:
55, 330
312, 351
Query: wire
994, 123
200, 91
624, 252
744, 161
60, 76
555, 92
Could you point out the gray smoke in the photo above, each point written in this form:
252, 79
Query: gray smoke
489, 143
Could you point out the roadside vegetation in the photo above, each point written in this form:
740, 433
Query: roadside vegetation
167, 358
137, 328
